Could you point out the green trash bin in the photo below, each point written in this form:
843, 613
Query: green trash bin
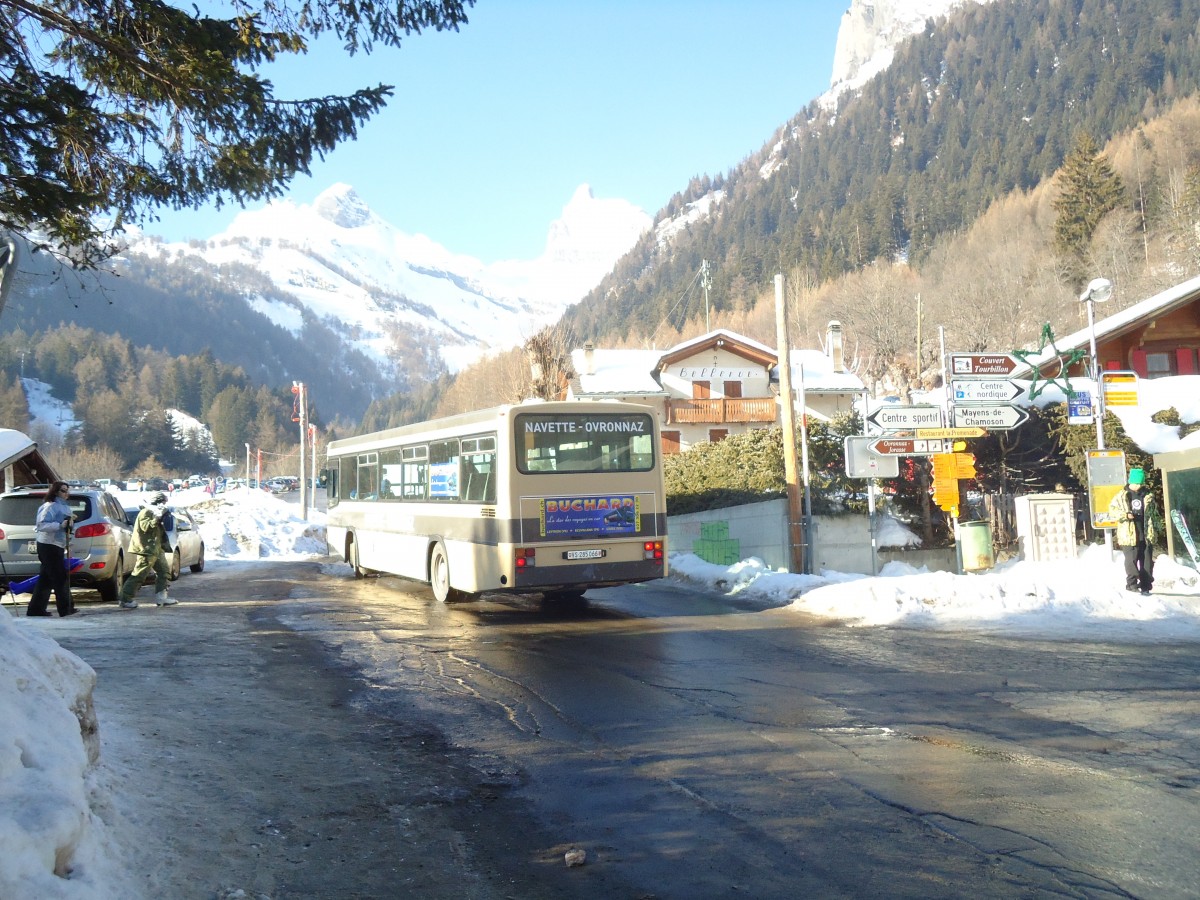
975, 546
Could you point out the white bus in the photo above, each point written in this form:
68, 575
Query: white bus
538, 497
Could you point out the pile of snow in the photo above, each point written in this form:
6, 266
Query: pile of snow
245, 524
1084, 597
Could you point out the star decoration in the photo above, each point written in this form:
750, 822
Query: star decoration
1066, 359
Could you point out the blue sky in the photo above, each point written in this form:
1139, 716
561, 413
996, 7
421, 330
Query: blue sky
491, 129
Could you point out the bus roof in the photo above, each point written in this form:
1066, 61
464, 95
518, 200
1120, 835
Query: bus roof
451, 424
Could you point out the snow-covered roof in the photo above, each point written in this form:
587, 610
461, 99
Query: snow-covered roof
13, 446
682, 349
1113, 325
816, 369
617, 372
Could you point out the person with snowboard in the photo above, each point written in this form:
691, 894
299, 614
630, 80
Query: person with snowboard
1132, 508
150, 545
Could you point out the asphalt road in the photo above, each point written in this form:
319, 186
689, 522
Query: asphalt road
289, 731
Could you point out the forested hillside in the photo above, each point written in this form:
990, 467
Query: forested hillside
985, 104
177, 306
120, 394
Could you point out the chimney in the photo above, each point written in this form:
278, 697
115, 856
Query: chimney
833, 346
589, 358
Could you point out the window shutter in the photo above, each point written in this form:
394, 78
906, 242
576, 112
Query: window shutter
1139, 362
1185, 361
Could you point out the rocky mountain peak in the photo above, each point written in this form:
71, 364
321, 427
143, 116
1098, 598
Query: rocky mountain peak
871, 30
341, 205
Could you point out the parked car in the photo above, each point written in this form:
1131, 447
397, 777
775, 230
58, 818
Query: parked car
100, 538
281, 484
187, 544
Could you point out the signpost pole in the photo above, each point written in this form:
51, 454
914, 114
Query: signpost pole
1096, 291
871, 505
790, 467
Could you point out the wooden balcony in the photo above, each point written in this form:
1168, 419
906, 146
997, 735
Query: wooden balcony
739, 410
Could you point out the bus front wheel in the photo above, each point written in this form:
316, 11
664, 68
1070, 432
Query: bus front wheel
439, 574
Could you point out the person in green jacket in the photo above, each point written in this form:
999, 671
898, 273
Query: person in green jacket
1133, 510
150, 546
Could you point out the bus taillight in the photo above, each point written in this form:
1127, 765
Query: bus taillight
524, 557
653, 549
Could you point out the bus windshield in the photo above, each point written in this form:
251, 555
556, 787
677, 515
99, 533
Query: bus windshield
579, 442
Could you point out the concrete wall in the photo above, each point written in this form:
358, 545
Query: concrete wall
840, 543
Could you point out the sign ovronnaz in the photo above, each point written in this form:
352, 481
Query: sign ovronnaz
992, 416
907, 447
977, 364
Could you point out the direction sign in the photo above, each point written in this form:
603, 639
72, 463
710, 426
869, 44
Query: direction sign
906, 418
983, 364
984, 390
950, 432
907, 447
992, 416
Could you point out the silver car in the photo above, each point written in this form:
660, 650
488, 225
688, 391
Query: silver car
100, 539
185, 539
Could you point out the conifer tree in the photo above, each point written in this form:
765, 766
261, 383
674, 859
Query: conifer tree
1089, 189
132, 105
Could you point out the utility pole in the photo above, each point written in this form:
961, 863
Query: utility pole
706, 283
790, 466
300, 416
312, 434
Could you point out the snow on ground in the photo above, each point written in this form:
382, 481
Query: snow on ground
55, 844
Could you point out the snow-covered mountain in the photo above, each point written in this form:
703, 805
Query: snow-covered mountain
868, 35
870, 31
349, 266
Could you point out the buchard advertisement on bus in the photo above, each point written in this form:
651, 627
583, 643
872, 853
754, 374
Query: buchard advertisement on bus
590, 516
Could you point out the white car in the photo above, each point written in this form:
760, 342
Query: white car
185, 539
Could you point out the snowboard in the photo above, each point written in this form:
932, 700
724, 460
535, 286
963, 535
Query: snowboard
1184, 532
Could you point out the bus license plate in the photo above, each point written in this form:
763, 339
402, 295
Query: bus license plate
583, 554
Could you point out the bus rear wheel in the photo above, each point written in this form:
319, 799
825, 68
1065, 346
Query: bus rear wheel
439, 575
352, 558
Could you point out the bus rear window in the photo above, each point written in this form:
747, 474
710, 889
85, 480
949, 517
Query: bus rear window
547, 442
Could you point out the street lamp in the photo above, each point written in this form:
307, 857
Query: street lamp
1097, 291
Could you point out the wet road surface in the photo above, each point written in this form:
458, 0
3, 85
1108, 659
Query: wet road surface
693, 749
